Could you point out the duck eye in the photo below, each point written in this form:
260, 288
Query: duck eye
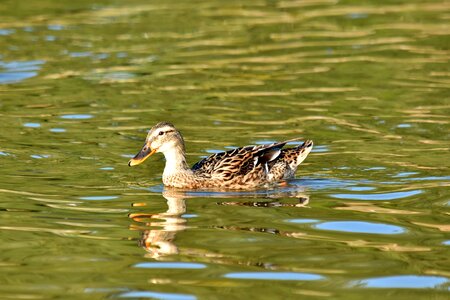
161, 133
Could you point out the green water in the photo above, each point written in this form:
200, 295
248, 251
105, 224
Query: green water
82, 81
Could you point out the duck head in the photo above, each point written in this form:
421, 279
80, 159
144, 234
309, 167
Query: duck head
164, 138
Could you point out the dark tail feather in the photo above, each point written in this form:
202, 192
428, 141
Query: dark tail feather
306, 144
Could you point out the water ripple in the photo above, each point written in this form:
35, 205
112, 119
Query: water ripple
169, 265
5, 32
402, 282
429, 178
17, 71
381, 196
98, 198
303, 221
32, 125
77, 116
360, 227
156, 295
296, 276
57, 130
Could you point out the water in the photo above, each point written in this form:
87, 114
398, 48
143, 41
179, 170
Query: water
81, 83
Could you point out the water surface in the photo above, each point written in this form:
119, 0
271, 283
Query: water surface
81, 82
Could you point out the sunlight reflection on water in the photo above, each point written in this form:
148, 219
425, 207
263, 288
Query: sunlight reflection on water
274, 276
169, 265
156, 295
57, 130
98, 198
402, 282
16, 71
32, 125
360, 227
381, 196
77, 116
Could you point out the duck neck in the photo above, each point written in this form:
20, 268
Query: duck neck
175, 161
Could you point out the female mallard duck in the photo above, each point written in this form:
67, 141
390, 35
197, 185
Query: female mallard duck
241, 168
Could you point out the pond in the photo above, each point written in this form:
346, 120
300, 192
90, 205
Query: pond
81, 82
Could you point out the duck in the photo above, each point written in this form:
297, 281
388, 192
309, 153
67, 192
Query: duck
242, 168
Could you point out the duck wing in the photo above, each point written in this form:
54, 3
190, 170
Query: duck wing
240, 161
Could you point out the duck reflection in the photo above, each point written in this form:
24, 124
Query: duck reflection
302, 202
159, 241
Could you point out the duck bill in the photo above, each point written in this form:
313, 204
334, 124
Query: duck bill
145, 153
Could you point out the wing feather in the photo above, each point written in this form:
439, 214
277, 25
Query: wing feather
239, 161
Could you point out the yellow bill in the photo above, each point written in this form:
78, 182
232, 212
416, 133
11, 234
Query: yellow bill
145, 153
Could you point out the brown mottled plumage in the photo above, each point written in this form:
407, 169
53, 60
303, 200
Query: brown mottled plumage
241, 168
